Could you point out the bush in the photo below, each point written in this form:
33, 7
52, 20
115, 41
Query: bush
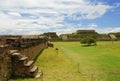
88, 41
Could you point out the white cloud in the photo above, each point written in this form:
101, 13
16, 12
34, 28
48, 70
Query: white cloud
116, 29
14, 14
33, 16
92, 25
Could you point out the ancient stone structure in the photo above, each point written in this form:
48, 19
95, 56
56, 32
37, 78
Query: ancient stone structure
5, 63
52, 36
27, 45
116, 35
17, 54
70, 37
103, 37
84, 33
64, 37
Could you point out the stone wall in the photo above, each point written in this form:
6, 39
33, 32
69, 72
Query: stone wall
29, 45
32, 52
52, 36
5, 64
85, 33
26, 48
64, 37
116, 34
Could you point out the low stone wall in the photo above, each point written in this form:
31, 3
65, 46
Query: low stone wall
33, 51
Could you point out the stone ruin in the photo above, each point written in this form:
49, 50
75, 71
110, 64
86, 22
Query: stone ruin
52, 36
17, 55
86, 32
92, 33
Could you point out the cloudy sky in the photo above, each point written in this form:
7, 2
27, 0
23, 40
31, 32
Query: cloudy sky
61, 16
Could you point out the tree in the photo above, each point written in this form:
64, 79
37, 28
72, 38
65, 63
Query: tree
88, 41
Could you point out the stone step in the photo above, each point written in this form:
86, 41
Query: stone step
33, 71
23, 58
13, 51
39, 74
16, 56
29, 63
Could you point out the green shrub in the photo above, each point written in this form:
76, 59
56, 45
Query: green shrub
88, 41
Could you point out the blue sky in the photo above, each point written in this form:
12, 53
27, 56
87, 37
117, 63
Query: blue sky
18, 17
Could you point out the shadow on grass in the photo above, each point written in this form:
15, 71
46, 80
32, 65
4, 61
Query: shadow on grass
19, 78
38, 54
85, 45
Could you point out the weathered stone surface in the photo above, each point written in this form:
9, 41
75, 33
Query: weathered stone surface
5, 64
18, 59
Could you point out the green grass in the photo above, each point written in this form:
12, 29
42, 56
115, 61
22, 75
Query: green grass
76, 63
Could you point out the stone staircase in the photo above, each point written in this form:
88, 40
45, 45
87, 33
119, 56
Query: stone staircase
22, 66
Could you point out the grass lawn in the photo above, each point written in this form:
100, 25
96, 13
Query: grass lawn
76, 63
